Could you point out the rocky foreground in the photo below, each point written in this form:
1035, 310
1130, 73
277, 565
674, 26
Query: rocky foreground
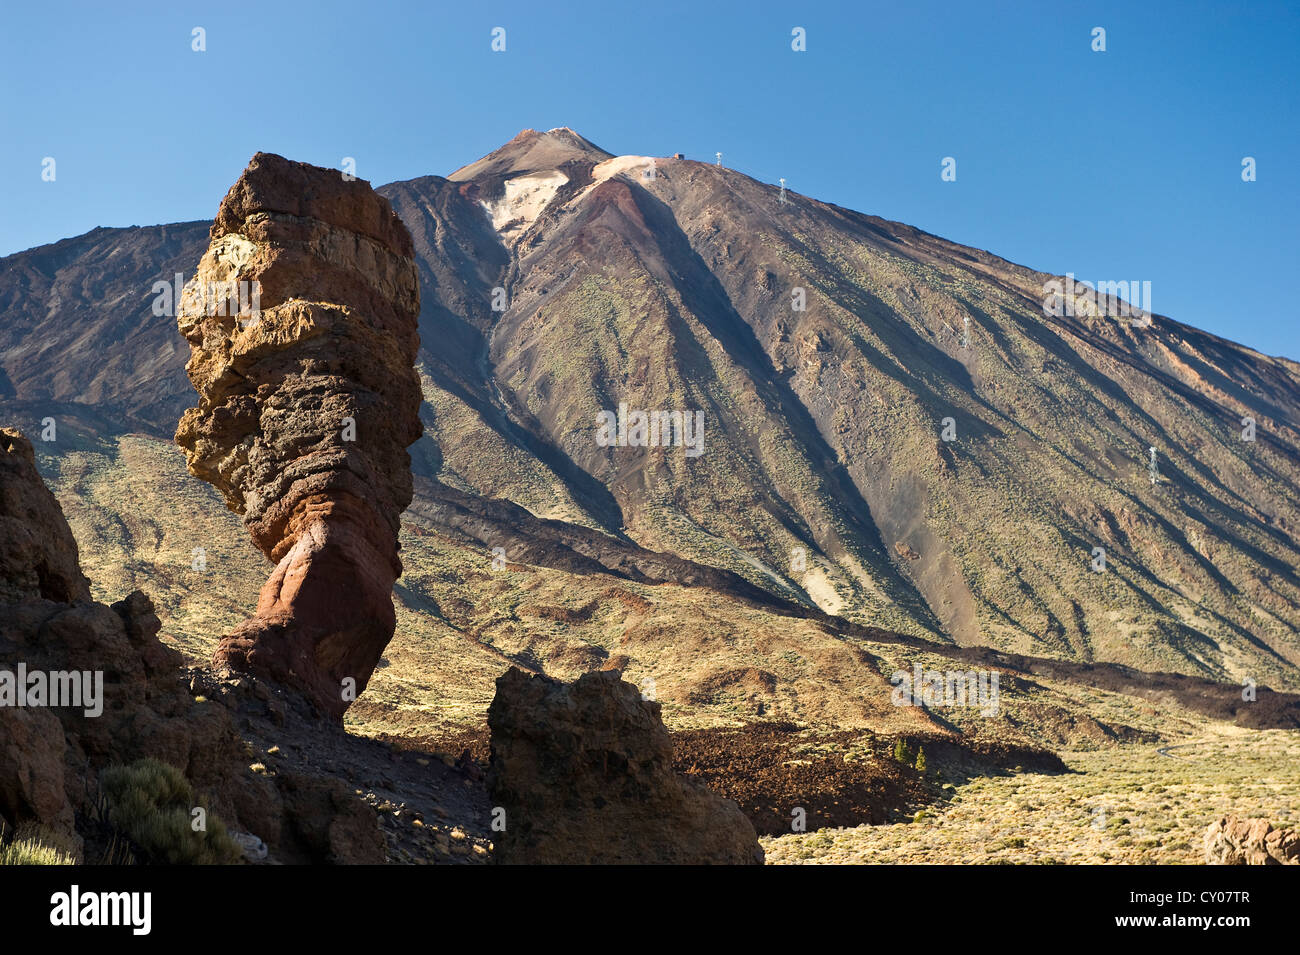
581, 774
589, 766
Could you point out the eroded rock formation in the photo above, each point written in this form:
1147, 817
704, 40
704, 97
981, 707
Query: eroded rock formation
584, 772
1231, 840
308, 399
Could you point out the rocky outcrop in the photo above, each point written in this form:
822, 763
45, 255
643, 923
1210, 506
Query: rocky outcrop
584, 774
1231, 840
327, 823
32, 780
308, 399
38, 557
121, 697
136, 701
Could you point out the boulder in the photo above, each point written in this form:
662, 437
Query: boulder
327, 824
32, 785
584, 772
1231, 840
38, 556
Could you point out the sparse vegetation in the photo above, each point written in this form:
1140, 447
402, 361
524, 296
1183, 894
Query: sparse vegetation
902, 753
1103, 812
33, 853
152, 803
31, 846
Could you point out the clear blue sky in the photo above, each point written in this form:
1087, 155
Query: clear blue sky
1117, 165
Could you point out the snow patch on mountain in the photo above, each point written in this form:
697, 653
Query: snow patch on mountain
524, 199
642, 169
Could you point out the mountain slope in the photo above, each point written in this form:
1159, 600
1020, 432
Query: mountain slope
675, 290
559, 282
78, 323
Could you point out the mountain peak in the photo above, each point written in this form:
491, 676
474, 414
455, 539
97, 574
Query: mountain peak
532, 150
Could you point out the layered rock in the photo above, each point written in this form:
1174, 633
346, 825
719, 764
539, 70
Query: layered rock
1231, 840
584, 773
308, 399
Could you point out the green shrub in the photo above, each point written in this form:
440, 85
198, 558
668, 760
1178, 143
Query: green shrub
150, 802
920, 760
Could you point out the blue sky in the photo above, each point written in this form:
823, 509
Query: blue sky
1117, 165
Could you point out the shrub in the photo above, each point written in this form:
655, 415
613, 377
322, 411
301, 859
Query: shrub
33, 852
33, 844
920, 760
150, 802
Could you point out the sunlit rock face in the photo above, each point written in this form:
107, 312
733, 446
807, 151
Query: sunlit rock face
302, 324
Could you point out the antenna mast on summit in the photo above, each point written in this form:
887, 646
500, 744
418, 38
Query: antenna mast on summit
782, 190
719, 155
